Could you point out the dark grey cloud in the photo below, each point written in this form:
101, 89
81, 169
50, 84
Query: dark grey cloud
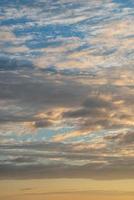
20, 160
83, 112
58, 160
9, 64
33, 89
41, 99
27, 93
96, 171
93, 102
122, 138
42, 123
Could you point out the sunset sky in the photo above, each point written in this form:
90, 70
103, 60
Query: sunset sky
66, 99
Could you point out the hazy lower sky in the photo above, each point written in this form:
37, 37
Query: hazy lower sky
60, 189
66, 99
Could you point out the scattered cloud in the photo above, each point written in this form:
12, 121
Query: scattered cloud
66, 89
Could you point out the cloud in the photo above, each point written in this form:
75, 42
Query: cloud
59, 171
122, 139
6, 35
66, 89
69, 35
90, 192
10, 64
103, 157
44, 100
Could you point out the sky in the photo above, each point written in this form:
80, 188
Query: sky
66, 99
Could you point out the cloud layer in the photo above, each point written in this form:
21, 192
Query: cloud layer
66, 89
